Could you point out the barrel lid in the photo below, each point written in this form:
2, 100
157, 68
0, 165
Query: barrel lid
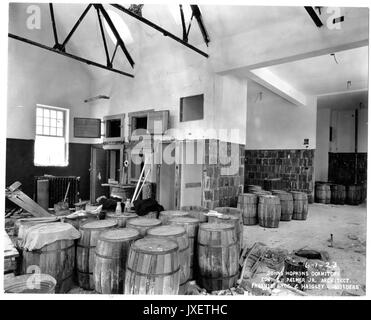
174, 213
121, 215
184, 220
155, 245
99, 224
168, 230
119, 234
213, 226
25, 282
249, 195
144, 222
194, 208
279, 191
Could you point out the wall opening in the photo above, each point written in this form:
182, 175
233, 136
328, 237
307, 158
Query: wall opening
192, 108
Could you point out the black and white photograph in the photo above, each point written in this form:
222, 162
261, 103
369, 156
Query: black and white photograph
189, 151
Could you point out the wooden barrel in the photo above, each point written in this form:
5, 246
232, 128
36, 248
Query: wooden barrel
269, 211
191, 227
143, 224
121, 218
300, 205
218, 255
196, 212
165, 216
151, 215
30, 283
153, 267
85, 253
180, 236
287, 204
232, 220
354, 194
21, 225
323, 193
253, 188
56, 259
111, 255
79, 221
262, 193
237, 213
248, 204
338, 194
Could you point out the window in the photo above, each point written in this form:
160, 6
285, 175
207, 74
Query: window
192, 108
51, 136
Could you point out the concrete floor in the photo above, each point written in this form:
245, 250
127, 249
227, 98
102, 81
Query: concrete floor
346, 223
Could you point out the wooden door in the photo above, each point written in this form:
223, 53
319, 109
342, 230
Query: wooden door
98, 173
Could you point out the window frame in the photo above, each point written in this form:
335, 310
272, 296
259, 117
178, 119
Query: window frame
65, 135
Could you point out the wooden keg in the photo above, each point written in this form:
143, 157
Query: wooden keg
300, 205
323, 193
111, 255
253, 188
121, 218
232, 220
85, 253
196, 212
79, 221
262, 193
287, 204
237, 213
269, 211
56, 259
191, 227
248, 204
151, 215
338, 194
166, 215
143, 224
352, 195
30, 283
153, 267
218, 255
180, 236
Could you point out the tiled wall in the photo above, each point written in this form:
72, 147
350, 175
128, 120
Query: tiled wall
222, 183
342, 168
294, 167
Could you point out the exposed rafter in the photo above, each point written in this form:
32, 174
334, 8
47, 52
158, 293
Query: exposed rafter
195, 12
312, 13
60, 48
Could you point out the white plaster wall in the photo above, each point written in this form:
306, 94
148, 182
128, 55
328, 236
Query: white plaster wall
36, 76
275, 123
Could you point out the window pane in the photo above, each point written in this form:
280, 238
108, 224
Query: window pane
53, 114
39, 130
46, 130
59, 114
60, 123
46, 122
46, 113
39, 112
53, 123
39, 121
59, 132
50, 151
53, 131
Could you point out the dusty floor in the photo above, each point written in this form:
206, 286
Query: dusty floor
346, 223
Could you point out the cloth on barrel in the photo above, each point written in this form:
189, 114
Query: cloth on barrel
142, 207
40, 235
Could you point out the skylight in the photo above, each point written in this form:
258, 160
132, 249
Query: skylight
121, 28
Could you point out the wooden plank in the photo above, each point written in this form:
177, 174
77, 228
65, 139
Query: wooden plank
26, 203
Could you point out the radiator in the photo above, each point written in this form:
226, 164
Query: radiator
58, 187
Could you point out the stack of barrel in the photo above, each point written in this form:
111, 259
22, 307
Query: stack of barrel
339, 194
268, 208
